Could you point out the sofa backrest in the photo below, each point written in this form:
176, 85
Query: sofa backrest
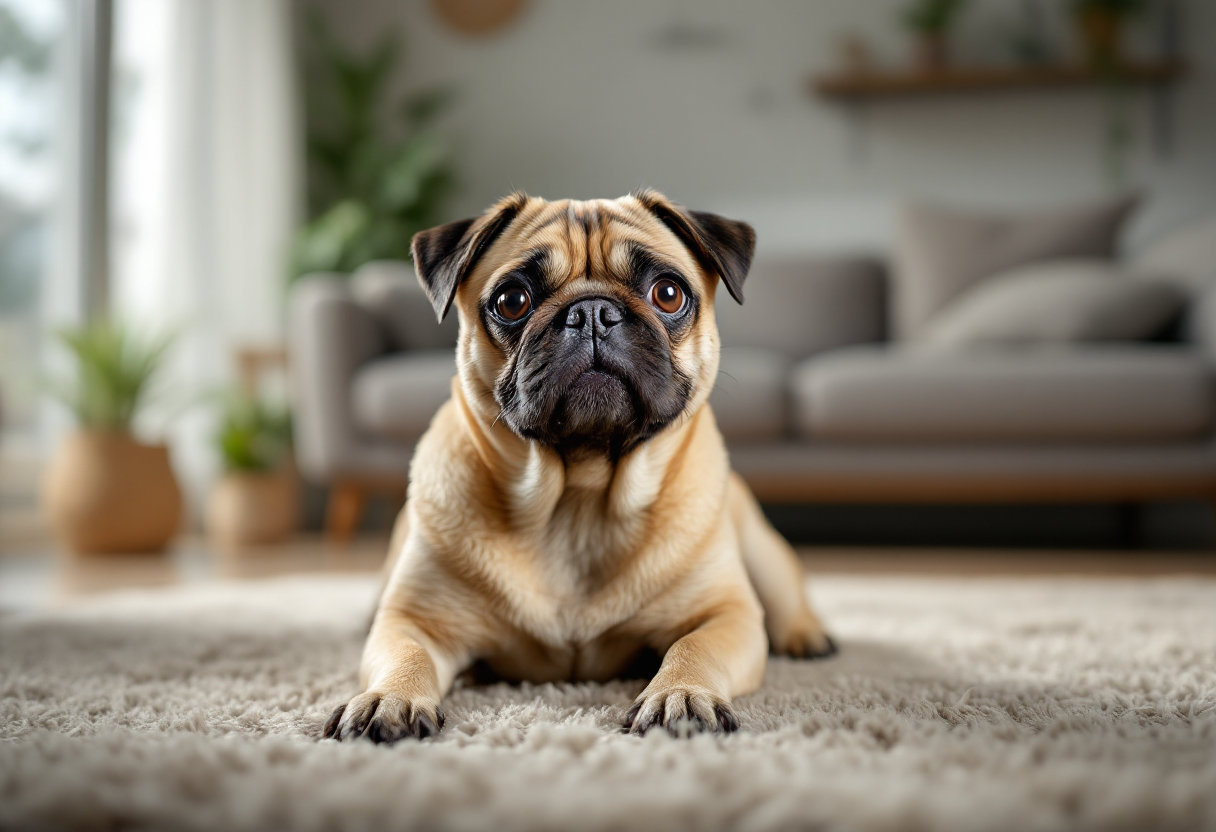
795, 306
803, 306
390, 291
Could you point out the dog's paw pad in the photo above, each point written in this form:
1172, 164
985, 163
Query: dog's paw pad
682, 711
383, 718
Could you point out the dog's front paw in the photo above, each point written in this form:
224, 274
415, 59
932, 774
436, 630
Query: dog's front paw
696, 709
383, 717
802, 639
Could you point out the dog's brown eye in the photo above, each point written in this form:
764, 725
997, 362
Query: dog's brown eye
513, 304
667, 296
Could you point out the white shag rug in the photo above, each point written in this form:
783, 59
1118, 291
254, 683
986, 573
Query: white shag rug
954, 704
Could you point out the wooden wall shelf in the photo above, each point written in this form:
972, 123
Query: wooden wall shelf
879, 84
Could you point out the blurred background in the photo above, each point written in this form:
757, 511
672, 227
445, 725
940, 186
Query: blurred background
982, 312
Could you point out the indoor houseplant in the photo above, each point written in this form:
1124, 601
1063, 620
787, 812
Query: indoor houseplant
257, 500
105, 491
930, 22
377, 170
1100, 26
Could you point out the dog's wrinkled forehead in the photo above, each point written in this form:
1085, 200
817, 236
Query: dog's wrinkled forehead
562, 242
566, 240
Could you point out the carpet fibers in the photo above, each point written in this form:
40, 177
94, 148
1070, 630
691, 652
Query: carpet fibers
955, 704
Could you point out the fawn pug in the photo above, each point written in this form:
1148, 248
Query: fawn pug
572, 504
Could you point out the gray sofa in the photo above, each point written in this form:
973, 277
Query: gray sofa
816, 403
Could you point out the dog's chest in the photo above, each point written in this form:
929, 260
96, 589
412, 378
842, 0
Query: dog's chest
576, 560
579, 630
585, 571
582, 547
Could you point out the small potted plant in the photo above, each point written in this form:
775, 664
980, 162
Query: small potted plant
257, 500
1100, 25
930, 22
105, 491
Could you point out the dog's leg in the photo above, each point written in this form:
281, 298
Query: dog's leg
701, 672
404, 682
776, 575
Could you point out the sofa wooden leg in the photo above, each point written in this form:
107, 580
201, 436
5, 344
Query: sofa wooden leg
345, 510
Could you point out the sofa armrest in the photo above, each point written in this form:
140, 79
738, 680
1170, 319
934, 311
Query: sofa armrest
330, 336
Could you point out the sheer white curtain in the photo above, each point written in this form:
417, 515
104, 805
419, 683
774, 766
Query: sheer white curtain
207, 175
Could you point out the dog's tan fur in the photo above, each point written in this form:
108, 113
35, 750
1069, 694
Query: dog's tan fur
562, 567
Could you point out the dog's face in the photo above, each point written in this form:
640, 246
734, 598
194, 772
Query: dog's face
590, 324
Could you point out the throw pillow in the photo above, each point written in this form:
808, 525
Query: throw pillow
1186, 256
943, 251
1059, 302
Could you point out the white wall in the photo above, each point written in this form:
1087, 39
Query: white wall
583, 98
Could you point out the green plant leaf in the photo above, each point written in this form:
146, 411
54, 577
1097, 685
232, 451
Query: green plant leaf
404, 176
377, 172
324, 244
931, 17
253, 435
422, 109
115, 370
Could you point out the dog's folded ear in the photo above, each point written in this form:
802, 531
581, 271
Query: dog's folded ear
444, 255
722, 247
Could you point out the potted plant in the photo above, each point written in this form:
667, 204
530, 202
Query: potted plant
105, 491
257, 500
930, 22
1100, 26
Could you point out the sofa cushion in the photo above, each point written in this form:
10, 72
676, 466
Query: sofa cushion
1056, 302
802, 306
1185, 257
390, 291
751, 399
1091, 395
942, 251
396, 396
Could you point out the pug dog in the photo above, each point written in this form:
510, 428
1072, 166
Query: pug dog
572, 506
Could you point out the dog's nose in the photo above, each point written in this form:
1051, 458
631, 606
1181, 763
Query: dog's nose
594, 315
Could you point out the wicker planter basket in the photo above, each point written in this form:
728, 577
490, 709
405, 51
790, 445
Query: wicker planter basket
107, 493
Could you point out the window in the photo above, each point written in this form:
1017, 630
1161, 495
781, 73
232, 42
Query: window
35, 83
